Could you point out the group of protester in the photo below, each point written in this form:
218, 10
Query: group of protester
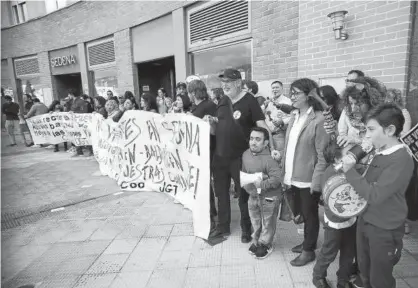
294, 144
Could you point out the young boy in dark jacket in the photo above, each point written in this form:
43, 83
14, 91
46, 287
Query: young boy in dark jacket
339, 233
380, 229
263, 203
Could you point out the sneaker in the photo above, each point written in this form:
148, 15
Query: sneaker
245, 238
252, 249
29, 145
356, 282
11, 145
50, 147
263, 251
321, 283
56, 150
344, 284
36, 146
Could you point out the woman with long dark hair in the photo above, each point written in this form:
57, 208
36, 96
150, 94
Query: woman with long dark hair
149, 102
99, 106
304, 163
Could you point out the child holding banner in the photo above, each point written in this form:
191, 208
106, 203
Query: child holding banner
57, 107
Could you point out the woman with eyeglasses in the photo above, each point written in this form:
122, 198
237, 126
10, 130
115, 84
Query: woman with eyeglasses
303, 163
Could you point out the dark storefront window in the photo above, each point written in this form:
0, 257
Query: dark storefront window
209, 63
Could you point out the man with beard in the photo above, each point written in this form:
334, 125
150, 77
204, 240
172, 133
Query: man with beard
247, 114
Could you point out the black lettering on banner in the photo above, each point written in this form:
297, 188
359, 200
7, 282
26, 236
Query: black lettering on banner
131, 128
168, 188
133, 185
184, 131
170, 159
153, 131
153, 173
178, 179
131, 154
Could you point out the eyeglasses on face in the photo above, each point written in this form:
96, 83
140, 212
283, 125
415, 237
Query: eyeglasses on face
296, 93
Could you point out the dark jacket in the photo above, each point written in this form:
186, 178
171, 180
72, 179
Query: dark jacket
263, 162
79, 105
11, 110
229, 135
308, 162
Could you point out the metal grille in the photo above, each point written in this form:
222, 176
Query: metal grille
217, 20
26, 66
101, 53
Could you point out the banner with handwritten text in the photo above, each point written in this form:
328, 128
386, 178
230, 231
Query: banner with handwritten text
55, 128
146, 151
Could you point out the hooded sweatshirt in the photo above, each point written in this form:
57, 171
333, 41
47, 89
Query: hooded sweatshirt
263, 162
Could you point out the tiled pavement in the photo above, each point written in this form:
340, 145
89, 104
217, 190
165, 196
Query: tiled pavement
139, 240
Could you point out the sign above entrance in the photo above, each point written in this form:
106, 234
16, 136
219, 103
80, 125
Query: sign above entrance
63, 60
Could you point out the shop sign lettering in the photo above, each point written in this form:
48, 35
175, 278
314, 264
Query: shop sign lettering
63, 61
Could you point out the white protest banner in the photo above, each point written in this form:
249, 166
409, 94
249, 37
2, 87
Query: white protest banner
146, 151
81, 135
55, 128
50, 128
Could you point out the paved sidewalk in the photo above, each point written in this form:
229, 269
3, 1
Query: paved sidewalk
140, 240
37, 179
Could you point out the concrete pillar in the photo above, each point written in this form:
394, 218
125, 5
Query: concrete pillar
180, 48
12, 77
46, 78
84, 70
127, 71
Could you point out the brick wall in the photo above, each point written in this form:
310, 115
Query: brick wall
378, 40
124, 59
275, 41
81, 22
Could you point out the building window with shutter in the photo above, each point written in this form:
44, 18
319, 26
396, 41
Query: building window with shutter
16, 18
20, 13
212, 22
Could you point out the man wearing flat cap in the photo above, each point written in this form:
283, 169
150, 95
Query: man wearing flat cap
248, 114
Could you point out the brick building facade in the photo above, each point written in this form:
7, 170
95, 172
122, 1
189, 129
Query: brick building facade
277, 40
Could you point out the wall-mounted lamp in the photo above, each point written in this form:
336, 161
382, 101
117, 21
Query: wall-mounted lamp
337, 19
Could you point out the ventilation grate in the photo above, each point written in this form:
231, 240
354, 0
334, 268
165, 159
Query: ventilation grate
26, 66
101, 53
217, 20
